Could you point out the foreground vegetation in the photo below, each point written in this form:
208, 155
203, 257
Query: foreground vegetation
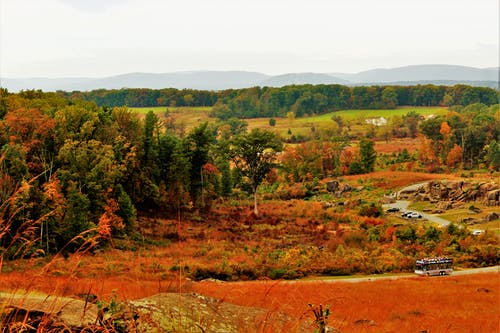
412, 304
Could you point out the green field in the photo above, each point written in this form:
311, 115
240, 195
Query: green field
355, 114
192, 116
162, 109
355, 119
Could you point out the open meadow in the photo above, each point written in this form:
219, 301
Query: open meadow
462, 303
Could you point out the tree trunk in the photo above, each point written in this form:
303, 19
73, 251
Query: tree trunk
255, 210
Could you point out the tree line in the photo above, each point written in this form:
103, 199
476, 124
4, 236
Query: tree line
301, 99
73, 173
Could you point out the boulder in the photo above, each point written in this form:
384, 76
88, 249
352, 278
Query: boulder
332, 185
345, 188
468, 220
455, 185
421, 197
444, 205
30, 308
387, 199
491, 217
493, 198
166, 312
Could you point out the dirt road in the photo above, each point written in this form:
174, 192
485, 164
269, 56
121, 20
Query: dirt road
492, 269
403, 207
403, 204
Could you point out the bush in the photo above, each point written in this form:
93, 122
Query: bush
283, 273
355, 168
370, 210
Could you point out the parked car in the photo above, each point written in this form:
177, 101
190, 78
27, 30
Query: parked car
411, 215
393, 210
414, 215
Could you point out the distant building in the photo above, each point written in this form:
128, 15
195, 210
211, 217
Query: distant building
377, 121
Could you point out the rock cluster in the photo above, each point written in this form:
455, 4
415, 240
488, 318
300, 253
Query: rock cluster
447, 193
338, 189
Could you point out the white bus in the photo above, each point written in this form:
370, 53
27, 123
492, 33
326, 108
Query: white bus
434, 266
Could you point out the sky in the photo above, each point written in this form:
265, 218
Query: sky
95, 38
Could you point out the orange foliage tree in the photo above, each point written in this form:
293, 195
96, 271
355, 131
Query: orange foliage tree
30, 128
109, 222
445, 130
454, 156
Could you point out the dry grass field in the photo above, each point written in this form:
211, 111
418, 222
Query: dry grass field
441, 304
466, 303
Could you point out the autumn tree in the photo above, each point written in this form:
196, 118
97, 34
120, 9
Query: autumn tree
75, 122
411, 120
493, 156
427, 155
254, 154
454, 156
174, 173
304, 159
445, 130
367, 155
197, 144
222, 151
31, 129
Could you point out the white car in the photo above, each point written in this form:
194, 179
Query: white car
412, 215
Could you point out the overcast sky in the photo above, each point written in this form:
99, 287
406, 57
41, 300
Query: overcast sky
93, 38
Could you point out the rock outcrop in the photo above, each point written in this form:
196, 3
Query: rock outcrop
337, 188
165, 312
448, 193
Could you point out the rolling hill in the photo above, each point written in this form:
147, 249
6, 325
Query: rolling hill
218, 80
426, 73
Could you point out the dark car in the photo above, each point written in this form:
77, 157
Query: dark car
393, 210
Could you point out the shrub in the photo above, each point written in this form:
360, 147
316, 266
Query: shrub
370, 210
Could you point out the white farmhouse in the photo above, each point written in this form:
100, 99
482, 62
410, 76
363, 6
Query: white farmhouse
377, 121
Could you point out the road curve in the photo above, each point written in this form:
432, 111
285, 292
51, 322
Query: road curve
403, 206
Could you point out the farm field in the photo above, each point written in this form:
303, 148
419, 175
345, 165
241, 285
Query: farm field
193, 116
189, 117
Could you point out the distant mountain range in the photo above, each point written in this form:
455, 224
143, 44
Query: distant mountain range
217, 80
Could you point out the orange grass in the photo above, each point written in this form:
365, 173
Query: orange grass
467, 303
395, 179
440, 304
398, 145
